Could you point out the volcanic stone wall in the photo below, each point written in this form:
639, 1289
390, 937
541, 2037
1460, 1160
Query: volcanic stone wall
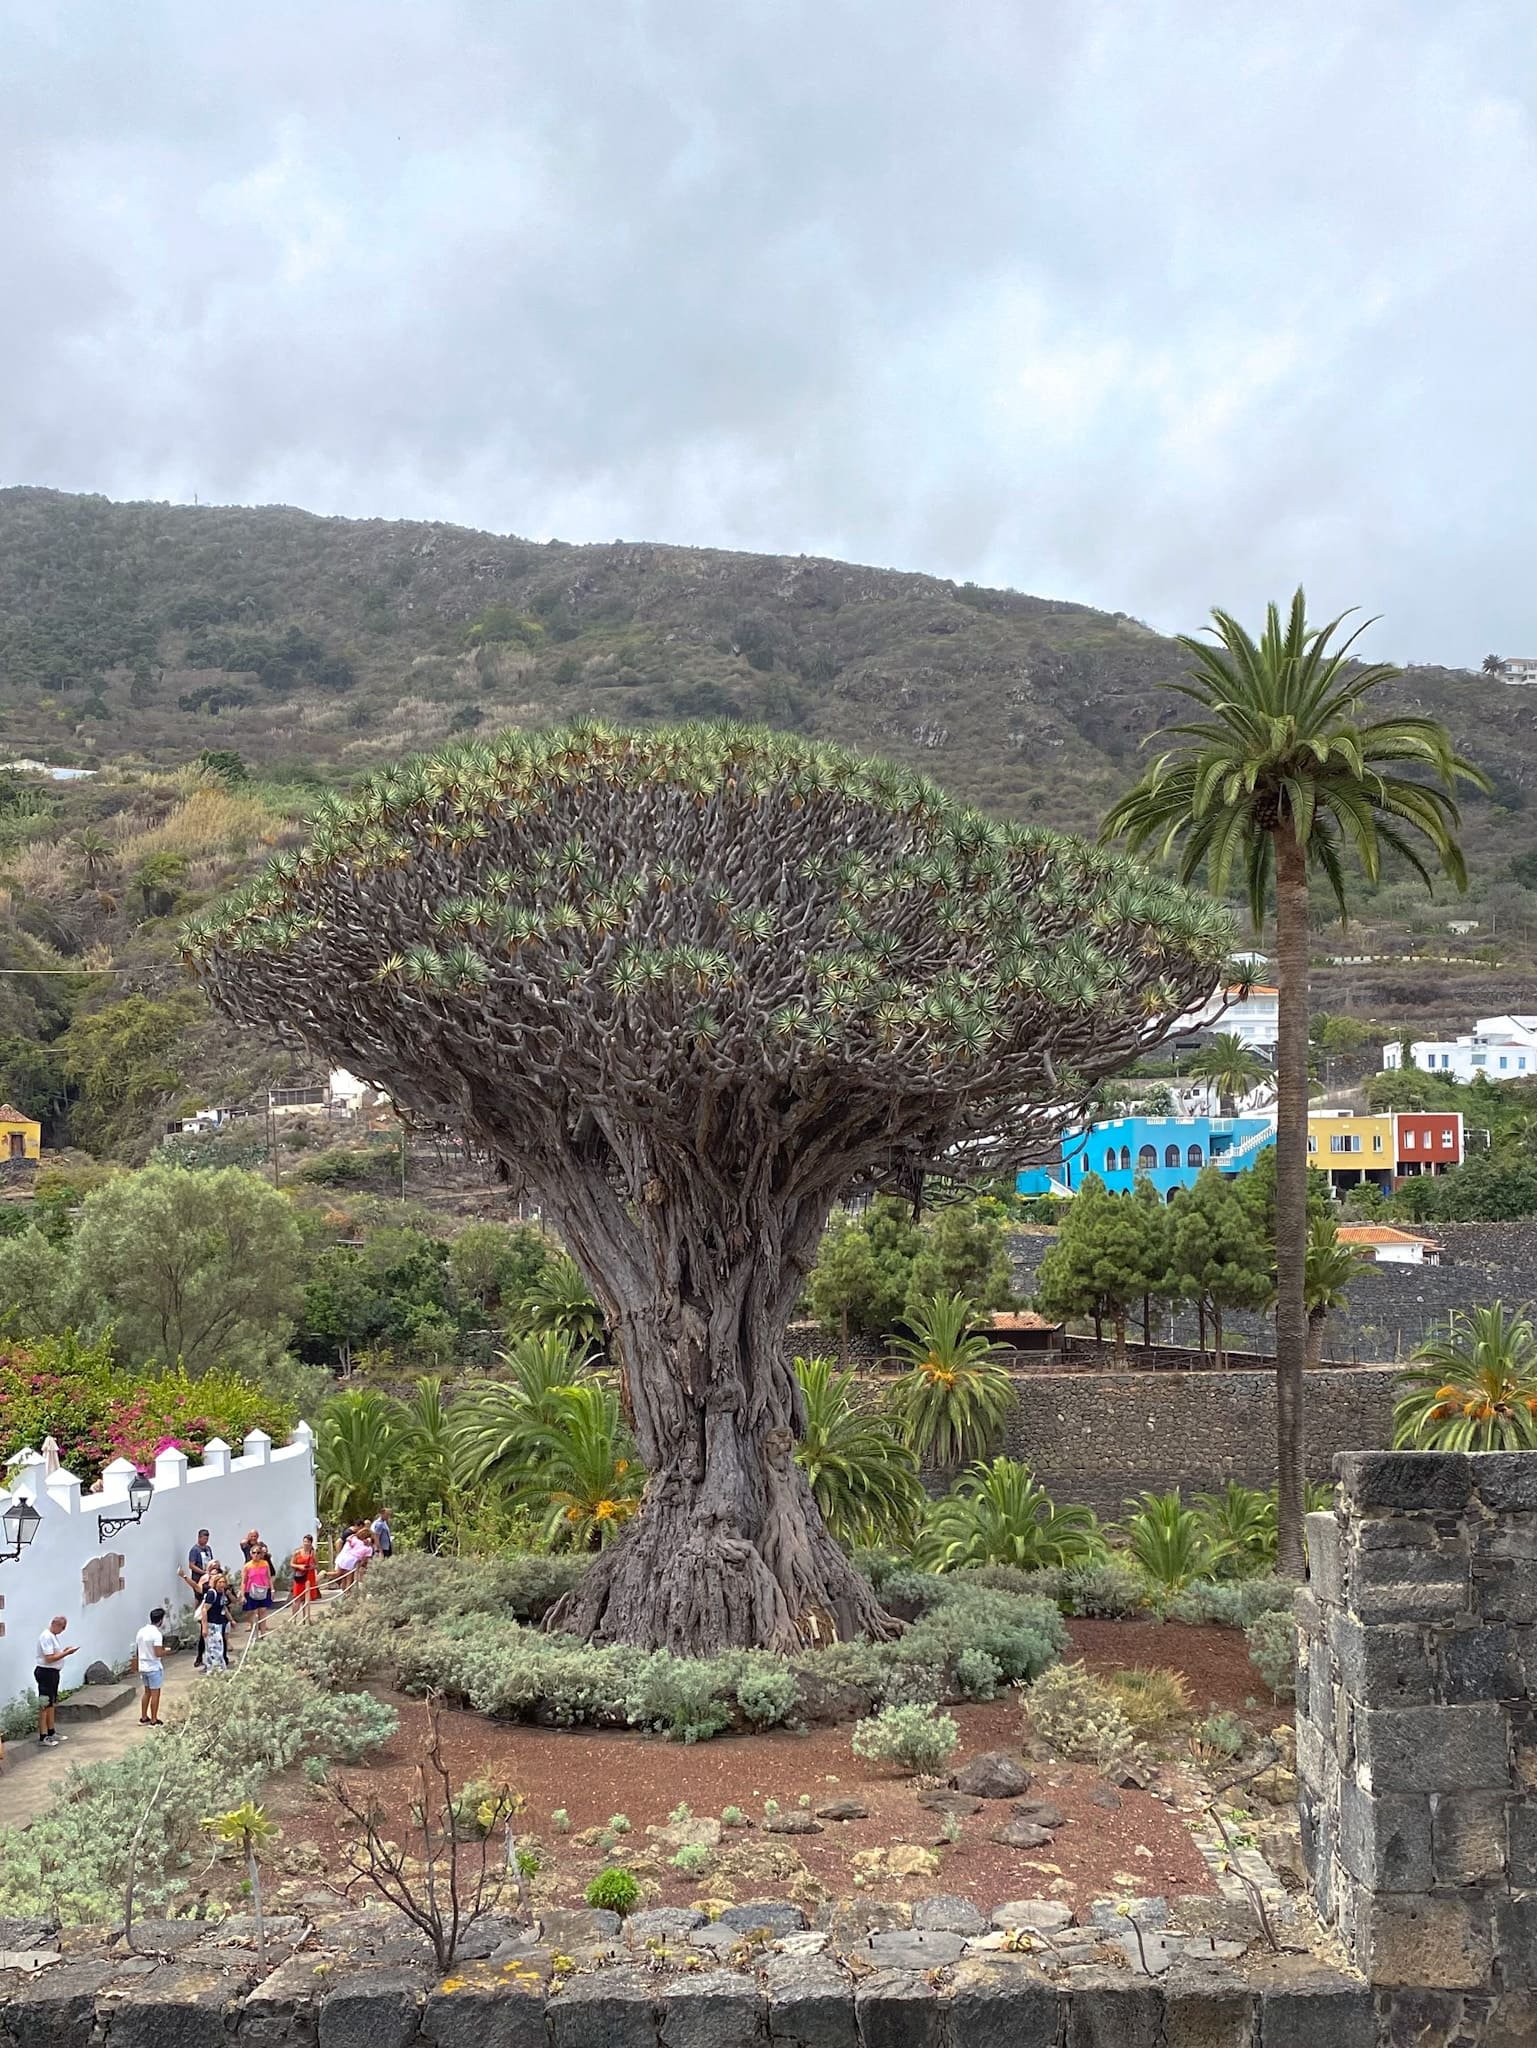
1099, 1437
1416, 1740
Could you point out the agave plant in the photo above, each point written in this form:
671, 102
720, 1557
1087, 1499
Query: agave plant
1474, 1389
950, 1403
998, 1514
584, 1469
864, 1477
560, 1301
496, 1423
1170, 1543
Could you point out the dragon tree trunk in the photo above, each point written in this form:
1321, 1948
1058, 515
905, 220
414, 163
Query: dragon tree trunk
729, 1549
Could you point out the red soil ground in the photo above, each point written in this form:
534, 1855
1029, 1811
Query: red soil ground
1110, 1843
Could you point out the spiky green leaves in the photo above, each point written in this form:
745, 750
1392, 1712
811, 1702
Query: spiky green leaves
641, 914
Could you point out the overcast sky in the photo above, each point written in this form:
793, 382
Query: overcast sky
1153, 306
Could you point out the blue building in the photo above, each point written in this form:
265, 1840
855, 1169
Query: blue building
1169, 1150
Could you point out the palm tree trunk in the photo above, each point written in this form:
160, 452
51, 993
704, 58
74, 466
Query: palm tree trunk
1291, 1192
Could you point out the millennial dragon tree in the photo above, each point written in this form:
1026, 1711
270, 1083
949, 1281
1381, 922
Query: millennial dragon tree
690, 985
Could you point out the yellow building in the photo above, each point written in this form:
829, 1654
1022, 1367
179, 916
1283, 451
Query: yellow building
1352, 1148
21, 1137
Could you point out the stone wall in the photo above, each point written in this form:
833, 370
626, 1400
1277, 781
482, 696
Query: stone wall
1098, 1437
1417, 1721
366, 1982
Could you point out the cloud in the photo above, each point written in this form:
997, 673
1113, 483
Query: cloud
1151, 305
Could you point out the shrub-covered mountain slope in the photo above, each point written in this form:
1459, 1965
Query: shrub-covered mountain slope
136, 638
161, 630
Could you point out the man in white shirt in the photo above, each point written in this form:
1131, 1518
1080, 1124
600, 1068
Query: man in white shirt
51, 1653
148, 1656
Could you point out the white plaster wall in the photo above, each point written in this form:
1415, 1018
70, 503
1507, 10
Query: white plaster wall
272, 1490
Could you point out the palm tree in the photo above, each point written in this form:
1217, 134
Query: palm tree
999, 1515
1328, 1269
1230, 1066
950, 1403
1280, 774
1171, 1544
1494, 665
95, 851
1474, 1389
495, 1422
584, 1468
361, 1436
864, 1477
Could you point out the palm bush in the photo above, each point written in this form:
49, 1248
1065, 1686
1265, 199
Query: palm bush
560, 1302
1474, 1389
584, 1469
864, 1477
360, 1437
495, 1422
998, 1514
950, 1403
1242, 1520
1170, 1543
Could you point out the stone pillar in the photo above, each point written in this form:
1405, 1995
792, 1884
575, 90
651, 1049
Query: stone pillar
1417, 1721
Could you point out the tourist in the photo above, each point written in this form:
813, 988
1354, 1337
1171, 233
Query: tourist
51, 1653
305, 1567
355, 1551
213, 1618
383, 1535
149, 1662
200, 1560
256, 1586
248, 1543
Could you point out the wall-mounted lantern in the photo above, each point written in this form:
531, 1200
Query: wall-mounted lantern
20, 1522
141, 1491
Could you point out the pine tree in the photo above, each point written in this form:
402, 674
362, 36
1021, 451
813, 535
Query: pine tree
1107, 1256
1218, 1256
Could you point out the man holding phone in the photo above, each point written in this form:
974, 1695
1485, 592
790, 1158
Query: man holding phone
51, 1653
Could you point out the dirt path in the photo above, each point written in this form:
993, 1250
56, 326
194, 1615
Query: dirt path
32, 1774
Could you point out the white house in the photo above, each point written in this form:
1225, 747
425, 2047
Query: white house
1503, 1048
1389, 1247
1252, 1014
1519, 668
104, 1582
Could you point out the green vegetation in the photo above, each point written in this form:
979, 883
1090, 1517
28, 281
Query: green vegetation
140, 1816
864, 1476
1112, 1252
614, 1891
915, 1738
998, 1515
875, 1270
1474, 1389
1280, 775
950, 1403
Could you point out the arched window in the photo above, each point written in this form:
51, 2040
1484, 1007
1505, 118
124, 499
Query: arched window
1126, 1159
1193, 1156
1171, 1194
1110, 1159
1171, 1156
1147, 1158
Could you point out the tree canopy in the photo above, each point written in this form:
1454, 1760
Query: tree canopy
711, 933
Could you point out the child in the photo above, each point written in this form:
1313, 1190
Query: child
148, 1659
214, 1616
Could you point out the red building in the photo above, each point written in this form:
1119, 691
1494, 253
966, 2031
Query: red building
1426, 1141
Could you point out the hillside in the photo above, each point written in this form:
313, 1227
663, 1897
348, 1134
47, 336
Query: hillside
135, 638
